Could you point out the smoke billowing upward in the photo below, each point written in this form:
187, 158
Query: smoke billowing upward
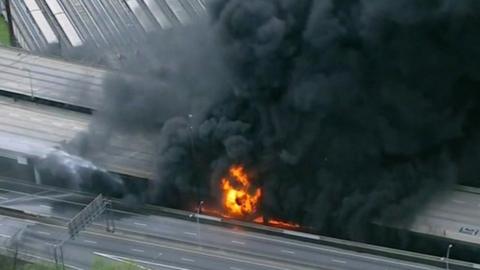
343, 112
60, 168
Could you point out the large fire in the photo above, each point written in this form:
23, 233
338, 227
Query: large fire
239, 200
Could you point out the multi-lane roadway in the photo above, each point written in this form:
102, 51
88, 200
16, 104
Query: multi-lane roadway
160, 242
33, 129
29, 129
454, 215
50, 79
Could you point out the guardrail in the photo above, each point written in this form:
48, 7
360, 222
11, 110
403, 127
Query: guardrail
319, 239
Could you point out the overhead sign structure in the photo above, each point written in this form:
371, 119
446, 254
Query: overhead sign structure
86, 216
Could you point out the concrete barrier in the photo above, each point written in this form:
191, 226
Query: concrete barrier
318, 239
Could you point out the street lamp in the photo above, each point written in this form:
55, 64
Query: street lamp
199, 210
447, 257
198, 223
190, 130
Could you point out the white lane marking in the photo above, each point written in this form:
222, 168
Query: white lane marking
140, 224
44, 259
90, 241
126, 260
339, 261
235, 268
190, 233
5, 236
243, 261
376, 259
458, 201
138, 250
238, 242
287, 251
27, 197
55, 198
44, 206
42, 232
187, 260
206, 254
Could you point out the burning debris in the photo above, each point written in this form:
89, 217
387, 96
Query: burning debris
242, 201
239, 200
277, 223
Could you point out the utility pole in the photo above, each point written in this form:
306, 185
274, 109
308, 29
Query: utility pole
8, 9
81, 220
199, 210
15, 256
109, 219
15, 240
447, 263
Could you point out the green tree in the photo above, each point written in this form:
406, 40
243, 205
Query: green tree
4, 36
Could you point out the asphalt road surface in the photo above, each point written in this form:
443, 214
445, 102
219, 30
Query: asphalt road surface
454, 215
159, 242
30, 129
50, 79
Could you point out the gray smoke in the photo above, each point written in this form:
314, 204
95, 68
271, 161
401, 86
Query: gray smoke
343, 111
59, 168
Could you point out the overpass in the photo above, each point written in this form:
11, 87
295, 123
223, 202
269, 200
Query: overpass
51, 79
453, 215
29, 129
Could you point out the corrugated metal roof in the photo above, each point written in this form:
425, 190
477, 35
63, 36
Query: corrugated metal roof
56, 25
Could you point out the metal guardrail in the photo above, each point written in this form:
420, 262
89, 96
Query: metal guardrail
334, 242
339, 243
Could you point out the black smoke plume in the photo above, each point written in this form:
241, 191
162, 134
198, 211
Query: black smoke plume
344, 112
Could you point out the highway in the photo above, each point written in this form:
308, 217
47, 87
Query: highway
33, 129
156, 241
454, 215
50, 79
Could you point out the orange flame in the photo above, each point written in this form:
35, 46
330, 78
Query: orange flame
283, 224
276, 223
237, 199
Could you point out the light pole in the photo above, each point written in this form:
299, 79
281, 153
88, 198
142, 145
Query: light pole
198, 210
447, 257
190, 131
198, 222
